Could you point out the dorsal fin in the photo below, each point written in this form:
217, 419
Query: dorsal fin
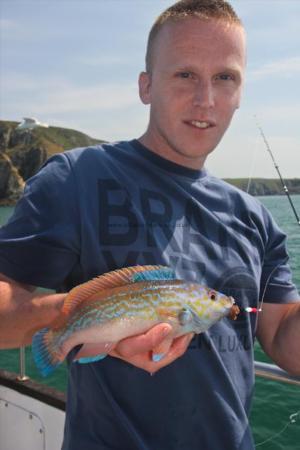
157, 273
116, 278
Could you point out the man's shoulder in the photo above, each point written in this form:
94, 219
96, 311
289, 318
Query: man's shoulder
83, 161
234, 193
99, 152
76, 164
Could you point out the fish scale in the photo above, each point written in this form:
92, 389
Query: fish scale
124, 303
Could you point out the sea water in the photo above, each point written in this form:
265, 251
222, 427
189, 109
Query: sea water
273, 402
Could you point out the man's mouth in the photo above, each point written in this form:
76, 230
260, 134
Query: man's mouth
200, 124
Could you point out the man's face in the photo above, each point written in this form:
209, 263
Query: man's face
193, 89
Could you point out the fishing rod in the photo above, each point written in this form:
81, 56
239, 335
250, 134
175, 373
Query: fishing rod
278, 171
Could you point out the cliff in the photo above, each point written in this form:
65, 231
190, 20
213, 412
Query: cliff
23, 152
266, 186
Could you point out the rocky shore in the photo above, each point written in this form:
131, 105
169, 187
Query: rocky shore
22, 153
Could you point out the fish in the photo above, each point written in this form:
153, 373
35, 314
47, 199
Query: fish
126, 302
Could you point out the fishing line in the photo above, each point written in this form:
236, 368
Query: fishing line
254, 310
278, 171
292, 419
253, 165
294, 416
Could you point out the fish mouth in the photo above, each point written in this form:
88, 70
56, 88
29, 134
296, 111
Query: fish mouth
234, 311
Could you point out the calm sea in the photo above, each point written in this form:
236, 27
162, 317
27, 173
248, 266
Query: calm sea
274, 402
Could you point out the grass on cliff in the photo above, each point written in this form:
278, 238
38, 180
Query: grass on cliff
59, 139
53, 139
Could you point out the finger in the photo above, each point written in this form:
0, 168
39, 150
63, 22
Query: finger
162, 349
143, 342
180, 345
177, 349
144, 360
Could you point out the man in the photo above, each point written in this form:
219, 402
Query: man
151, 201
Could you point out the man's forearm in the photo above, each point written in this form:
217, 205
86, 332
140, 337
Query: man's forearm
286, 344
22, 313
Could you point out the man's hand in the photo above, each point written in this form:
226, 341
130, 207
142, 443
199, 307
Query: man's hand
23, 312
152, 350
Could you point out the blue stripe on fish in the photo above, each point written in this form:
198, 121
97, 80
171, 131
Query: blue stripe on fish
164, 273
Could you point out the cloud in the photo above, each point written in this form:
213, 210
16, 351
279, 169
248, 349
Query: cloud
103, 60
15, 31
287, 67
14, 82
8, 24
91, 98
252, 159
283, 117
59, 96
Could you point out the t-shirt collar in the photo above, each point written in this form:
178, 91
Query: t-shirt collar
166, 164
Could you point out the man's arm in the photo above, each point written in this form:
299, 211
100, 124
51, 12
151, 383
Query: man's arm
23, 312
279, 334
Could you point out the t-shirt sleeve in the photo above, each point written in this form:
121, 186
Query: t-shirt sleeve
276, 280
39, 245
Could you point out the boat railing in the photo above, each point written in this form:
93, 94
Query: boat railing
264, 370
22, 365
273, 372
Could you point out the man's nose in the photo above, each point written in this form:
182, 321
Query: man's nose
204, 95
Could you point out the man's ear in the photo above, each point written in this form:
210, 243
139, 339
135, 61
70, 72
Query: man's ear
145, 87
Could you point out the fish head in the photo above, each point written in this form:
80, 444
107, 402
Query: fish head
204, 307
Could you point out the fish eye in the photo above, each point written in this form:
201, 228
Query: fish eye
212, 295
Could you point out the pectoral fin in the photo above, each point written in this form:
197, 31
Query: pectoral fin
90, 359
93, 352
185, 316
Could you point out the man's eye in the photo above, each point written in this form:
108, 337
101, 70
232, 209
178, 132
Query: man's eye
184, 74
225, 77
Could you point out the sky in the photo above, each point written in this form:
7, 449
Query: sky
75, 64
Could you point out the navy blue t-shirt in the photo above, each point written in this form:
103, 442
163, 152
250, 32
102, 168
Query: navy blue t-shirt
97, 209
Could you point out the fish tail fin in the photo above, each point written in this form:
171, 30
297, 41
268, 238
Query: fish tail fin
45, 354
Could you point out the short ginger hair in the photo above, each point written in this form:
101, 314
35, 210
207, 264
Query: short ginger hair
202, 9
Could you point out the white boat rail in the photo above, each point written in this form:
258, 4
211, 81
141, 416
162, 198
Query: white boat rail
273, 372
22, 365
264, 370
